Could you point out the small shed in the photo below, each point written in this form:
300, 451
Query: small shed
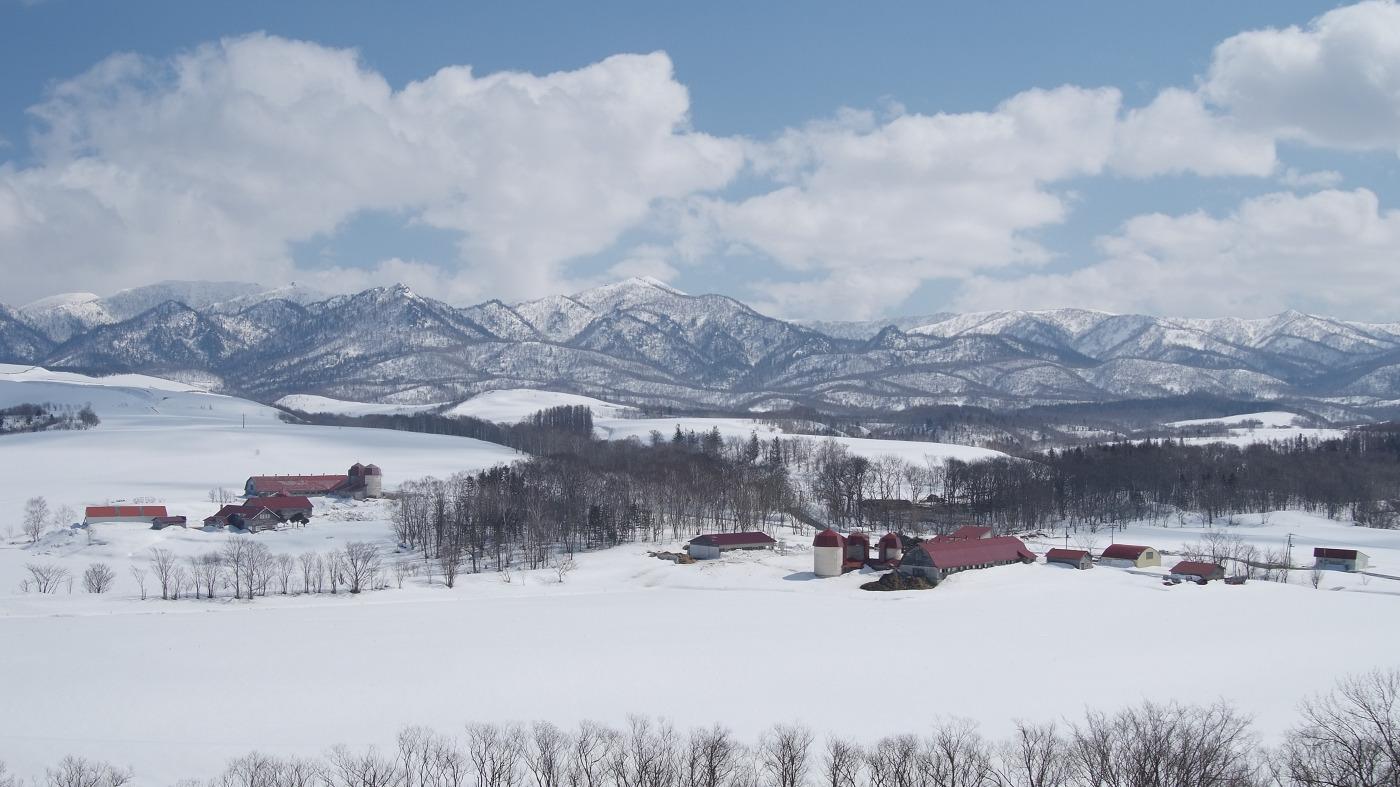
162, 522
1198, 571
1078, 558
711, 545
1340, 559
890, 548
1132, 555
857, 548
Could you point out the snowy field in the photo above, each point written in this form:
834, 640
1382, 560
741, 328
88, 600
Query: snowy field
310, 403
509, 406
1273, 425
175, 688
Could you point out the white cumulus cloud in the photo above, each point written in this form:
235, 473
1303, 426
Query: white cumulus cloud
212, 163
1334, 251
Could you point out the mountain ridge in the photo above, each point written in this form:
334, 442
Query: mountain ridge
641, 341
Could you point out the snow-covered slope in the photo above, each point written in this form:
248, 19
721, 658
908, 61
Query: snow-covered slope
512, 405
173, 442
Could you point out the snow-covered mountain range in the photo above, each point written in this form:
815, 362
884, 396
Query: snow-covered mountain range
642, 342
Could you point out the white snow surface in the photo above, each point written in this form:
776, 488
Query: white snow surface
511, 405
1275, 425
1271, 418
116, 678
176, 688
310, 403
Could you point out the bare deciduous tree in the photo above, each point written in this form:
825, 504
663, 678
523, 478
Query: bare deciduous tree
1350, 736
44, 577
139, 574
98, 578
361, 560
36, 517
842, 761
82, 772
163, 563
783, 755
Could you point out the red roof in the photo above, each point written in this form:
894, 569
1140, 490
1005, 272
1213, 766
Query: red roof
1124, 551
1197, 569
829, 538
732, 539
1337, 554
1066, 554
891, 539
958, 554
971, 531
859, 538
104, 512
279, 502
297, 484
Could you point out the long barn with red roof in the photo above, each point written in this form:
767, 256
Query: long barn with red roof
935, 560
359, 482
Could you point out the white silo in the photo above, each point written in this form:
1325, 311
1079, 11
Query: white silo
828, 553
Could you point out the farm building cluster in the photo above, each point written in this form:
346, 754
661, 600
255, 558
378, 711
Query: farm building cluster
271, 501
974, 547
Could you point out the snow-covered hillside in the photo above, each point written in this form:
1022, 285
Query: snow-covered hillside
512, 405
164, 440
310, 403
1241, 430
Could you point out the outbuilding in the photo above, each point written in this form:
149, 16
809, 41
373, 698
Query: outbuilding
1131, 555
1197, 571
828, 553
142, 514
890, 548
711, 545
857, 550
969, 533
1078, 558
935, 560
1340, 559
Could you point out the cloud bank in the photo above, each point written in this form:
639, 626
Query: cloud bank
217, 162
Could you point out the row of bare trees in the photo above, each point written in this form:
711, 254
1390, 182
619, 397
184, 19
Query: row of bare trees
1347, 738
246, 568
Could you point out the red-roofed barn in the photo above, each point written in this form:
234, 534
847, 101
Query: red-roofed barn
359, 482
1077, 558
146, 514
1131, 555
1340, 559
935, 560
711, 545
1198, 571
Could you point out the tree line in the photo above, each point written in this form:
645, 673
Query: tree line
1349, 737
591, 495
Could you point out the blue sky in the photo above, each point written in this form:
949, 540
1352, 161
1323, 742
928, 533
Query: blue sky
760, 183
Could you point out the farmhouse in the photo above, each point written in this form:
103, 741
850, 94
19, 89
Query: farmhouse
1131, 555
935, 560
359, 482
1340, 559
710, 545
262, 513
143, 514
1197, 571
1077, 558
